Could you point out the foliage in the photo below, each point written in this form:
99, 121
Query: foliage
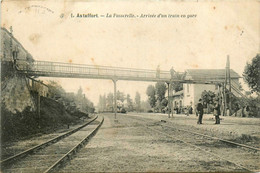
102, 103
160, 89
110, 101
150, 91
252, 74
156, 96
120, 99
55, 89
164, 102
254, 106
83, 104
72, 102
120, 96
27, 123
145, 106
129, 102
208, 97
137, 101
177, 86
80, 92
123, 111
107, 103
252, 102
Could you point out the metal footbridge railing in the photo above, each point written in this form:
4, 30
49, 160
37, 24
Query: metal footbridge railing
69, 70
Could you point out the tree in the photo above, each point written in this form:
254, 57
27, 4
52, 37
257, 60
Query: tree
83, 103
121, 96
55, 89
71, 101
145, 106
177, 86
208, 98
160, 89
150, 91
164, 103
137, 101
80, 93
80, 99
102, 103
110, 101
129, 103
254, 106
252, 74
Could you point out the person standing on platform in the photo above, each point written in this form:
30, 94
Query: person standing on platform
200, 111
216, 111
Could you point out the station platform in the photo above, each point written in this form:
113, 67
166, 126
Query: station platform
231, 127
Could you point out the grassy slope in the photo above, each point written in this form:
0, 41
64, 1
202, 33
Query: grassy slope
27, 123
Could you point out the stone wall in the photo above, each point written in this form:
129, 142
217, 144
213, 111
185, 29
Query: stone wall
11, 46
16, 95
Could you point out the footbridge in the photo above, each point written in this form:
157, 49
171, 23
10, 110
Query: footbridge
70, 70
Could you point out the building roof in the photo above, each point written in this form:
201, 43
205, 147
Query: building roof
179, 93
209, 74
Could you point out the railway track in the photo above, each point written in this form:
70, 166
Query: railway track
51, 155
211, 145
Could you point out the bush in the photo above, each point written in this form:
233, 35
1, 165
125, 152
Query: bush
123, 110
28, 123
254, 107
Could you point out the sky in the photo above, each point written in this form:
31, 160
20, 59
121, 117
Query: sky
203, 41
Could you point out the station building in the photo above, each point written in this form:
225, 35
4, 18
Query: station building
191, 92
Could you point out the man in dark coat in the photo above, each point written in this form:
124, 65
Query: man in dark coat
216, 111
200, 111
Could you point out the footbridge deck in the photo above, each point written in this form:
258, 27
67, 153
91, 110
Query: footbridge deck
70, 70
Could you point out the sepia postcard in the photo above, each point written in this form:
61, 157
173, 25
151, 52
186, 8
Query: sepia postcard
130, 86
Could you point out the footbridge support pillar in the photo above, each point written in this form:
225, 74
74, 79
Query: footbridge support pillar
115, 98
169, 102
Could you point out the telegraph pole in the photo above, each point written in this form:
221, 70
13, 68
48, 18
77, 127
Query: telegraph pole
168, 84
225, 89
227, 78
115, 104
229, 81
224, 99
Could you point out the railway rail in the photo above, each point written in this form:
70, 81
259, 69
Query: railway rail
49, 156
173, 125
42, 145
189, 138
219, 139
